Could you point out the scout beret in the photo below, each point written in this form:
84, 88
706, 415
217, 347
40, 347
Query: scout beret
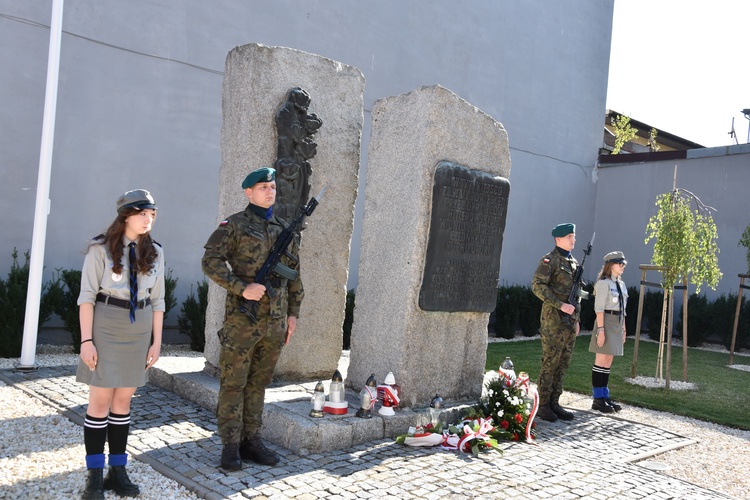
565, 229
264, 174
137, 198
618, 257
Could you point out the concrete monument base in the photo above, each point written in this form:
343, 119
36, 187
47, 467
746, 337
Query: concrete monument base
286, 416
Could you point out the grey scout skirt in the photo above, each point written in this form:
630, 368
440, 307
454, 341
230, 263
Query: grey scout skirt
612, 336
122, 347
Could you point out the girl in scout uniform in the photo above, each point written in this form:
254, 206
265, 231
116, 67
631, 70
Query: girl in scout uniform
121, 310
611, 298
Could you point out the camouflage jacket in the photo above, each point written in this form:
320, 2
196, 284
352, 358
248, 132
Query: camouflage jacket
244, 241
553, 278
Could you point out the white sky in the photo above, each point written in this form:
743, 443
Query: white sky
682, 66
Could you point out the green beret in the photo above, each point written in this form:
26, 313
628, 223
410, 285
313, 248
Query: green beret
264, 174
618, 257
565, 229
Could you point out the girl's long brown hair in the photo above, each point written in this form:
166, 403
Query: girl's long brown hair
112, 241
606, 271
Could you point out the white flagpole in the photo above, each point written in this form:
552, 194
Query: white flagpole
39, 236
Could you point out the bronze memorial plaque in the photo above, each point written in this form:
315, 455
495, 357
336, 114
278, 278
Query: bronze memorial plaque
462, 264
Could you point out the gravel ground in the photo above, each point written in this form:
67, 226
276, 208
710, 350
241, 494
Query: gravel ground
52, 464
53, 467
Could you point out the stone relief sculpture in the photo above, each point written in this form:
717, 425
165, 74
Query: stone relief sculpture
296, 129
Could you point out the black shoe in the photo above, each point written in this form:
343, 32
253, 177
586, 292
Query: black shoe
253, 449
561, 412
117, 479
230, 457
614, 405
600, 404
94, 485
546, 413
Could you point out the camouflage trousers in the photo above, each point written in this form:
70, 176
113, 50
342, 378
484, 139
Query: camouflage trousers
248, 356
558, 340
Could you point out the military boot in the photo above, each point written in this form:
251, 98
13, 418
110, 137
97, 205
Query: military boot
545, 413
94, 488
253, 449
117, 479
561, 412
230, 457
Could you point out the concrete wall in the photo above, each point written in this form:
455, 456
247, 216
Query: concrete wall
140, 105
625, 201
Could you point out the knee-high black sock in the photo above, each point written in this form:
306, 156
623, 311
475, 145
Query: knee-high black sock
599, 380
94, 437
117, 430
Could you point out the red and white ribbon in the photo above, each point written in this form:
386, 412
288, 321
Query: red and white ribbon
524, 383
463, 443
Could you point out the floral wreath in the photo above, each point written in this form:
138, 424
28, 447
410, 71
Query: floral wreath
506, 411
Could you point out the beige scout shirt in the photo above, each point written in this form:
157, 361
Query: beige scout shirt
606, 297
97, 277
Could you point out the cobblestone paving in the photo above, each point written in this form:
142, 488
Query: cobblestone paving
591, 457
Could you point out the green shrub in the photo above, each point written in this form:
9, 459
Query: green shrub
65, 289
652, 307
700, 319
742, 341
529, 313
170, 284
588, 316
349, 318
631, 310
723, 311
13, 293
192, 319
507, 310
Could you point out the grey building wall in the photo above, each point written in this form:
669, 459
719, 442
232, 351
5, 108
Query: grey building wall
625, 201
139, 105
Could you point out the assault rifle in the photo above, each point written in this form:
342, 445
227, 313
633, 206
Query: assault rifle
273, 266
575, 290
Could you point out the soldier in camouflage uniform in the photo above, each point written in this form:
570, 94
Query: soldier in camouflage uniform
552, 283
249, 351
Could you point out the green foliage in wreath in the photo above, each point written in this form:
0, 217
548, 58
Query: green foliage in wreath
507, 406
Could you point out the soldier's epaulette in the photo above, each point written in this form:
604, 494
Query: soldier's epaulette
98, 239
157, 243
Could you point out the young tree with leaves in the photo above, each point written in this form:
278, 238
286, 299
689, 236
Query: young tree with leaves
685, 245
745, 242
624, 132
685, 240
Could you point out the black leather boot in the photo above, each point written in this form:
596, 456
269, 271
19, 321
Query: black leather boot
117, 479
230, 457
253, 449
545, 413
600, 404
94, 485
614, 405
561, 412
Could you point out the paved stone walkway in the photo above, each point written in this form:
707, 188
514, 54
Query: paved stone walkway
591, 457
